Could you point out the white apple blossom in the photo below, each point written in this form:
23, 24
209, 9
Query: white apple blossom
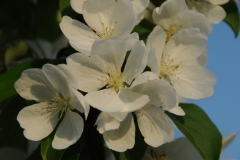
210, 8
118, 128
138, 7
121, 138
73, 83
104, 69
57, 100
77, 5
180, 149
177, 62
174, 15
106, 18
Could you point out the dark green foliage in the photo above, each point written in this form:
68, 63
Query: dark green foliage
200, 130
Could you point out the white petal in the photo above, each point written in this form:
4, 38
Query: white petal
81, 103
37, 121
153, 62
112, 51
160, 92
140, 17
77, 5
173, 13
98, 12
228, 139
46, 48
106, 100
155, 126
165, 149
180, 149
144, 77
177, 111
131, 40
213, 13
216, 14
76, 98
157, 39
57, 79
218, 2
203, 58
194, 19
89, 76
122, 138
80, 36
132, 100
184, 40
136, 62
194, 82
184, 150
162, 15
139, 6
124, 18
69, 73
69, 130
109, 121
33, 85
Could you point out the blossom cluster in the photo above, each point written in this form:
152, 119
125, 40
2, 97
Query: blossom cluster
119, 74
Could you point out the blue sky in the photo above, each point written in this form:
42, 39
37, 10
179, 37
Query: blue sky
224, 106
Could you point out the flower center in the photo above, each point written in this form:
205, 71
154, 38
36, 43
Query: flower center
114, 78
168, 67
173, 30
141, 111
58, 103
154, 156
107, 31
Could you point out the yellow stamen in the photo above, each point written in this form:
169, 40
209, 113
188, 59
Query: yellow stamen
58, 103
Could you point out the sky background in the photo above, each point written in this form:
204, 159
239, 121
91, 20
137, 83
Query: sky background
224, 106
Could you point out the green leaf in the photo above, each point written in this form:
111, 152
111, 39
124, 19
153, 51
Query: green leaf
232, 18
119, 155
144, 28
65, 8
200, 130
11, 134
8, 78
49, 153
